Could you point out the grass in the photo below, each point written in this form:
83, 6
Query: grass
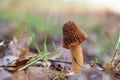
33, 38
116, 49
58, 75
118, 42
33, 61
42, 55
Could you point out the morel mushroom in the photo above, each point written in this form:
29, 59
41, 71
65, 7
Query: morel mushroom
73, 36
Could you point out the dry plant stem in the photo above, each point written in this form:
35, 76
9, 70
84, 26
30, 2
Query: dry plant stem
114, 56
117, 47
52, 61
77, 58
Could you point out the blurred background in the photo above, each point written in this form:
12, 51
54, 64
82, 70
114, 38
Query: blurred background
98, 18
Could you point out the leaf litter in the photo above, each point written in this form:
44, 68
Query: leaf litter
53, 69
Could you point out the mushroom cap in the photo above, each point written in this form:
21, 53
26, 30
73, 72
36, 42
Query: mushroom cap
72, 35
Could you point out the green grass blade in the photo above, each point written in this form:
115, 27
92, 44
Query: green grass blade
54, 46
29, 41
116, 49
45, 46
118, 43
56, 50
29, 64
31, 60
33, 38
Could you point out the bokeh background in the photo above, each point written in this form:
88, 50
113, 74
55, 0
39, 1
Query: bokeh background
98, 18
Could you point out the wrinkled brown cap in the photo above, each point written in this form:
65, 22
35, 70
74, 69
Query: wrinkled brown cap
72, 35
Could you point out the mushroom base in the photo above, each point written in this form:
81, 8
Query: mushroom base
77, 58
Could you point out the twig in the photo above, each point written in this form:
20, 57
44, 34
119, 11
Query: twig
57, 61
7, 66
52, 61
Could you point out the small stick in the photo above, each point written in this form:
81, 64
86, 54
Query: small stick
39, 60
7, 66
57, 61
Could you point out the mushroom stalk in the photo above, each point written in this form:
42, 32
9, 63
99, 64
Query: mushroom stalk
77, 58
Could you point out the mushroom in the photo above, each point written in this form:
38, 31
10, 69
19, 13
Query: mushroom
73, 36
